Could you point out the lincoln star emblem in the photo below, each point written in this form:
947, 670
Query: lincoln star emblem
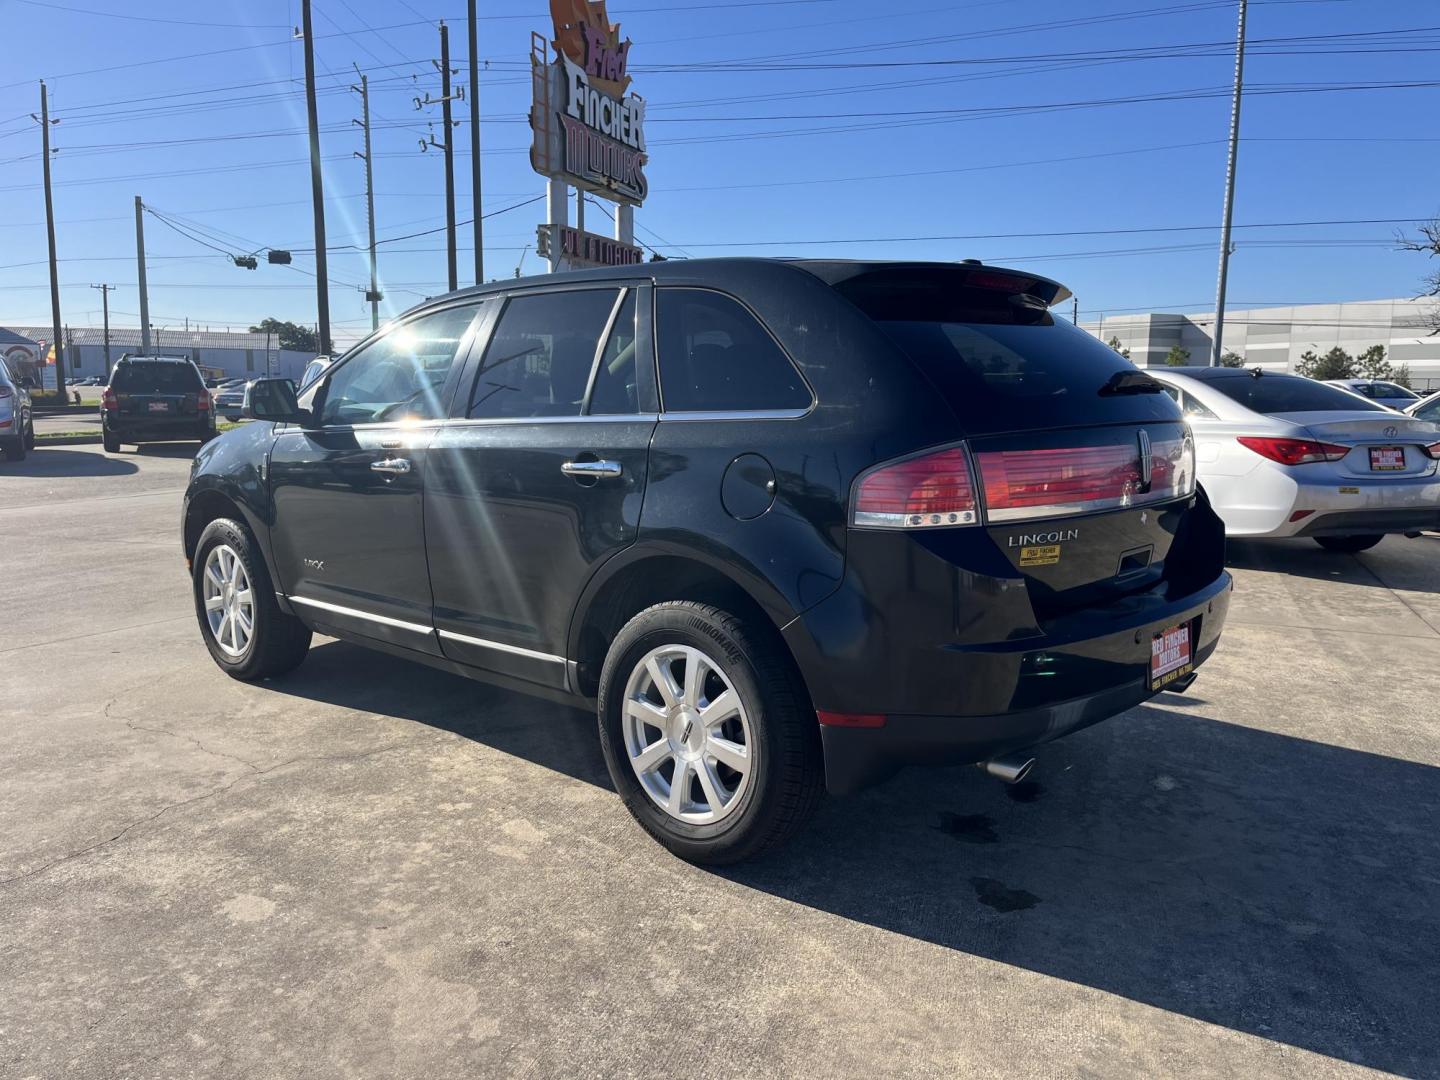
1391, 432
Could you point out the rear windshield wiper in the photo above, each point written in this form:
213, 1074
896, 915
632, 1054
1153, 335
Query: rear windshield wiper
1131, 382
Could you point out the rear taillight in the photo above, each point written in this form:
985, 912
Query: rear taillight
1433, 450
1043, 483
107, 400
202, 401
918, 493
1293, 451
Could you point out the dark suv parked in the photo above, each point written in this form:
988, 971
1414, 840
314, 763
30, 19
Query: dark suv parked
155, 399
785, 525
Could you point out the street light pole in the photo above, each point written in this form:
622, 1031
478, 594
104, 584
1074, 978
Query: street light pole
477, 222
1217, 345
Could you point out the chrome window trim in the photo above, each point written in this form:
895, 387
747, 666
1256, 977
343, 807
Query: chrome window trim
512, 421
741, 414
499, 646
384, 620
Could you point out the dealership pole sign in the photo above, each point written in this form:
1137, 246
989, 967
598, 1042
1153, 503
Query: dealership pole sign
589, 130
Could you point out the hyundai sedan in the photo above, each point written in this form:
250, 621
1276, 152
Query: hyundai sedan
1281, 455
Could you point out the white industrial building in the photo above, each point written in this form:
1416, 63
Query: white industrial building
234, 354
1277, 337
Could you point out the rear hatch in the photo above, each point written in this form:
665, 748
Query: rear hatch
1382, 445
1077, 465
157, 391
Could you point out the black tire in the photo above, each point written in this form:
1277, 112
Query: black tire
787, 777
278, 641
15, 448
1349, 545
111, 443
30, 435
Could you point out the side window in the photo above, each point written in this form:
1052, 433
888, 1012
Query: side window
714, 356
1192, 409
1429, 412
616, 392
539, 359
1172, 391
400, 375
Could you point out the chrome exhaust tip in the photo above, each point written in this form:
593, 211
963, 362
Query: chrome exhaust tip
1009, 769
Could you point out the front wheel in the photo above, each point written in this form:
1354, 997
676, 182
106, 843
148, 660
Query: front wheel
707, 734
1350, 544
243, 627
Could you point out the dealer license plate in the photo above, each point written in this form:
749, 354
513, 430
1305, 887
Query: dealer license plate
1387, 458
159, 406
1172, 655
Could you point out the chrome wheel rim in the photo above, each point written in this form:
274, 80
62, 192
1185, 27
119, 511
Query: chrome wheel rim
229, 602
687, 735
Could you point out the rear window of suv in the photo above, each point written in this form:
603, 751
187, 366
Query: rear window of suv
1001, 360
156, 379
1270, 394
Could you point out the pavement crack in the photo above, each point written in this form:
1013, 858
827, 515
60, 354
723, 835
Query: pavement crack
134, 726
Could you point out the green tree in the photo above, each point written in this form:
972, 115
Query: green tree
1335, 364
1114, 343
1231, 359
1373, 365
290, 335
1401, 374
1177, 357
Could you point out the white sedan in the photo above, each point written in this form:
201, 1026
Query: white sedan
1282, 455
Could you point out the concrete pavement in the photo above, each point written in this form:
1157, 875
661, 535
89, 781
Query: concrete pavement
372, 869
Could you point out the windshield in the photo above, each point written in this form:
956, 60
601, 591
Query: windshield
1270, 394
156, 379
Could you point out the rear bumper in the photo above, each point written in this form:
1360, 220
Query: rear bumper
1264, 505
1068, 679
185, 427
1356, 522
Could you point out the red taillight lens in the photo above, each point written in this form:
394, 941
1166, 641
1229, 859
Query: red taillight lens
107, 400
202, 402
918, 493
1293, 451
1033, 483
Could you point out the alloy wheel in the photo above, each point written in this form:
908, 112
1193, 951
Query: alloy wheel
687, 735
229, 603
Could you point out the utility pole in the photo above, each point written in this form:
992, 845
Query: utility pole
105, 305
44, 119
1216, 344
374, 294
317, 186
140, 266
1075, 310
449, 154
477, 221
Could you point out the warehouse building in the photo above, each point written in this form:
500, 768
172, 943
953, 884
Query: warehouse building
1277, 337
220, 353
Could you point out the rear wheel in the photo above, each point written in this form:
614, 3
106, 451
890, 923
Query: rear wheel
1350, 544
707, 735
30, 435
110, 441
243, 627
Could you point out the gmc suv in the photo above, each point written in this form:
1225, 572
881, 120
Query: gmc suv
155, 399
786, 526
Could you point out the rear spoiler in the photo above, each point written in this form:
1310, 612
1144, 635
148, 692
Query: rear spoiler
975, 274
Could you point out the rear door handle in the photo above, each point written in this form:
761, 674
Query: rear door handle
391, 465
593, 470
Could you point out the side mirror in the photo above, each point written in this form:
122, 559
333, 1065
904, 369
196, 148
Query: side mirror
272, 399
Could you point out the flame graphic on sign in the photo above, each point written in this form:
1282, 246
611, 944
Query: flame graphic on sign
571, 18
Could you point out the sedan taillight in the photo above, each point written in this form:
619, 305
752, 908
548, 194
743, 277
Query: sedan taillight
1293, 451
918, 493
1433, 450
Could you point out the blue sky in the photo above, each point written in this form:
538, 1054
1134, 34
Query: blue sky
818, 125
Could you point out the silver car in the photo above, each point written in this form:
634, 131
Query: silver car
1426, 408
1391, 395
230, 398
17, 425
1281, 455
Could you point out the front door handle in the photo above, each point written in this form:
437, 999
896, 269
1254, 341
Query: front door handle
396, 465
592, 470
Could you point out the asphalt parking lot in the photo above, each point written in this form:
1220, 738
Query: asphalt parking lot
369, 868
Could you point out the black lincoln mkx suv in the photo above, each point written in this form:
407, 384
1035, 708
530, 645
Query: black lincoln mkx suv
786, 526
